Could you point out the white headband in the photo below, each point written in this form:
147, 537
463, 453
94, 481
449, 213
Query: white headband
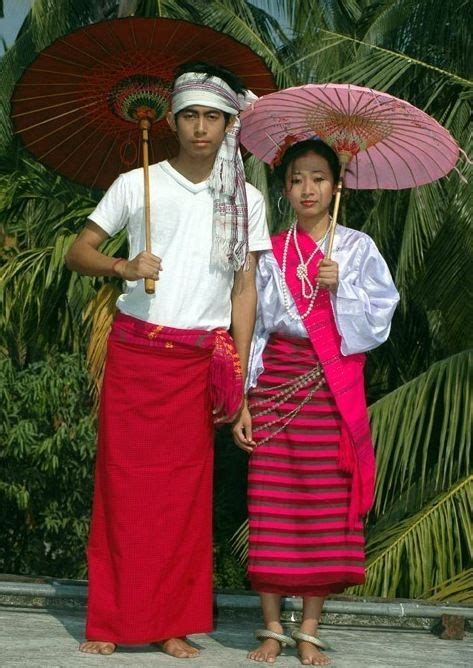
198, 88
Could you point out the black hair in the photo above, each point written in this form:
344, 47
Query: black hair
302, 148
202, 67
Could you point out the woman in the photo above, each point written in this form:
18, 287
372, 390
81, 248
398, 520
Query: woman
305, 423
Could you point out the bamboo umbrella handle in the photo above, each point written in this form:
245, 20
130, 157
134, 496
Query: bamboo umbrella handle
344, 159
145, 125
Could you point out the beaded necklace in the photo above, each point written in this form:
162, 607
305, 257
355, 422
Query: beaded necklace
287, 390
308, 290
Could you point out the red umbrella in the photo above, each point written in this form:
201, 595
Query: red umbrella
382, 141
76, 105
80, 106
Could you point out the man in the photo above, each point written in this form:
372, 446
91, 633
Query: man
169, 360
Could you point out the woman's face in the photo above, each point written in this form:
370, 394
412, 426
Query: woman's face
309, 186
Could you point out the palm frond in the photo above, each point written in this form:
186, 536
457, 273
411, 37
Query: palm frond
424, 550
240, 20
99, 313
458, 589
425, 421
239, 543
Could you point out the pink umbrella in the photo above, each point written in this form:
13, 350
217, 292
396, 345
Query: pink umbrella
387, 142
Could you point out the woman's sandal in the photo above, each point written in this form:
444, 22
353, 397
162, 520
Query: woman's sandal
305, 637
264, 634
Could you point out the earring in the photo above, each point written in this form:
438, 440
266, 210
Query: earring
281, 198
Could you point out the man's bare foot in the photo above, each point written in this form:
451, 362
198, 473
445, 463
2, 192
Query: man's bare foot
310, 655
97, 647
268, 651
179, 648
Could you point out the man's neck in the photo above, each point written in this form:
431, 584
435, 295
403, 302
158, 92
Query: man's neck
195, 171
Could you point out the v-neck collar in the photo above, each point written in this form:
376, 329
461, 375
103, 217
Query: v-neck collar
185, 183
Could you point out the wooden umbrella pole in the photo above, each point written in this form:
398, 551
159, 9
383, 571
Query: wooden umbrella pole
344, 160
145, 126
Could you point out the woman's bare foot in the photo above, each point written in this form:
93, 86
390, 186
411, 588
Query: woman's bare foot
268, 651
179, 648
310, 655
97, 647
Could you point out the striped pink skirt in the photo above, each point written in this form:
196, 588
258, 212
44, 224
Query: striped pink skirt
298, 497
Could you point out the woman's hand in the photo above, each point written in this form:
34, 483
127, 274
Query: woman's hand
242, 429
328, 275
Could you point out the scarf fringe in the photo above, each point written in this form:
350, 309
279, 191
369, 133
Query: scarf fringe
226, 382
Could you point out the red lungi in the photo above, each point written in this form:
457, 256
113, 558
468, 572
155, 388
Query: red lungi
150, 548
298, 496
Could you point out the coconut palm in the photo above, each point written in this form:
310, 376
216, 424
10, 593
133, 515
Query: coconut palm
418, 382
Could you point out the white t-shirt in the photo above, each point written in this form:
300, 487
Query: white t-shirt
191, 293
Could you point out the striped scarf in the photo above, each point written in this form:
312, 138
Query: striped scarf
227, 180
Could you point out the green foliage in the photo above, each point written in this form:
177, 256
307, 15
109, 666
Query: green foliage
47, 441
424, 425
229, 509
425, 550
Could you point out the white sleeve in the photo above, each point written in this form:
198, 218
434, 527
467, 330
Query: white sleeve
365, 301
258, 233
111, 213
260, 334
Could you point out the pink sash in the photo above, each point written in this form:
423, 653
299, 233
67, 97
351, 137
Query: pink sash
344, 375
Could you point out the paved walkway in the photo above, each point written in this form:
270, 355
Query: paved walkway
48, 639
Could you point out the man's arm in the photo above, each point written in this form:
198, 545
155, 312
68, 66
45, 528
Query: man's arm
84, 257
244, 300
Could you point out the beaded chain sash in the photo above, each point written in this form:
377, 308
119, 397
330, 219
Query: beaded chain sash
285, 391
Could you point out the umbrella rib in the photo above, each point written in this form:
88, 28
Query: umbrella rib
49, 134
118, 40
44, 97
70, 45
103, 162
153, 32
410, 150
402, 159
62, 60
57, 72
51, 106
133, 35
401, 139
375, 171
101, 140
48, 120
95, 41
66, 139
168, 44
26, 84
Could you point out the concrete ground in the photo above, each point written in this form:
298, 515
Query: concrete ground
39, 638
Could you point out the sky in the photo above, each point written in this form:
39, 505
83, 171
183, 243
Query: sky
14, 11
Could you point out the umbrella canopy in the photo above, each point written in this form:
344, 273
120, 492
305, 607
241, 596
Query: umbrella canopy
384, 141
77, 106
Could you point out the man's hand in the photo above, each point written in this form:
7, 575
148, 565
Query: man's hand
144, 265
242, 430
328, 275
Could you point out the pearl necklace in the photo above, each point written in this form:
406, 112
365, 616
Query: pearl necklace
308, 290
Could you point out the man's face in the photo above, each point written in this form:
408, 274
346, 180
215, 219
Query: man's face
200, 130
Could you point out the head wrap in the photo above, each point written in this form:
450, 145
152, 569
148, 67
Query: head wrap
227, 179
